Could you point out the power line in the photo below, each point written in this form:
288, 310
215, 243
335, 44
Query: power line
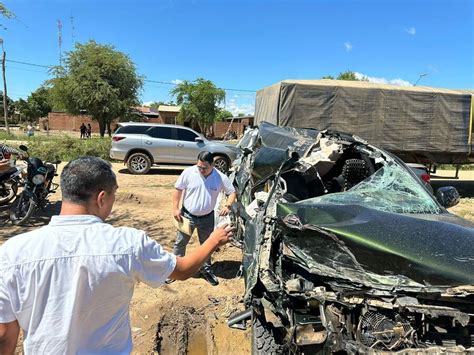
146, 80
31, 64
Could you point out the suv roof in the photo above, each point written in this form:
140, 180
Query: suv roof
149, 124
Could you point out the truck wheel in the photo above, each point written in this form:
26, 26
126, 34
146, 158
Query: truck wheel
221, 163
139, 163
265, 338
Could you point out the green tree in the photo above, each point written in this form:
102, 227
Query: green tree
223, 114
330, 77
5, 13
10, 105
22, 108
199, 102
97, 80
347, 75
156, 104
38, 104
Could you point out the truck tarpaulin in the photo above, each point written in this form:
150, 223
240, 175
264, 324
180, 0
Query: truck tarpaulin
419, 124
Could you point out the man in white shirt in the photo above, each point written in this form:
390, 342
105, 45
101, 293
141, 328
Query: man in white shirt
201, 185
68, 285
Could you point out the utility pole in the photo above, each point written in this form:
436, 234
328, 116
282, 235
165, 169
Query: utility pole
5, 103
60, 42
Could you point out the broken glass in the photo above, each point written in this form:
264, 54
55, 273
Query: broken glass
390, 189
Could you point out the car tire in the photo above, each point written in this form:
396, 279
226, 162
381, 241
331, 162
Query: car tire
138, 163
221, 163
265, 338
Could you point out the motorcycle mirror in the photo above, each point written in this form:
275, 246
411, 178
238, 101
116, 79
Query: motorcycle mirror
24, 148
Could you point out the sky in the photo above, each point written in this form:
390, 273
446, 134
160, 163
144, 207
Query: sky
246, 45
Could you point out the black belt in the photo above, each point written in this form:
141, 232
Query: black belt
193, 215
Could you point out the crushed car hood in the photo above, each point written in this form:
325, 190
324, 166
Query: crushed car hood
379, 248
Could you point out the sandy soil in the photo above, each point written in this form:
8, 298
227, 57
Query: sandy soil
187, 316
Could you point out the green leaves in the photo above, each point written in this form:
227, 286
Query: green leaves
98, 79
199, 102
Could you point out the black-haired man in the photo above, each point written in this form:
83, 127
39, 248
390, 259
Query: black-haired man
201, 185
68, 285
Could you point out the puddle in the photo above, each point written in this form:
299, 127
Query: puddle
197, 343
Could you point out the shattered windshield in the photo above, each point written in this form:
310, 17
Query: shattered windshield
390, 189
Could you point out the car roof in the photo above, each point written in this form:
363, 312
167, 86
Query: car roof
149, 124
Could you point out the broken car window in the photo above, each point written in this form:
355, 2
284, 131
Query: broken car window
390, 189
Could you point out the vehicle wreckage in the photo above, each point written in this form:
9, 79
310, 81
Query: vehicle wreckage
344, 249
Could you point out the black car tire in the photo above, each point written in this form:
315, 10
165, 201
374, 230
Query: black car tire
22, 203
221, 163
139, 163
265, 338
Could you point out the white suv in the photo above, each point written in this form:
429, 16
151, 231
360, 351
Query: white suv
140, 145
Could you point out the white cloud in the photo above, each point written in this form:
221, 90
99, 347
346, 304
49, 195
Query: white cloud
236, 108
348, 45
176, 81
372, 79
411, 31
147, 103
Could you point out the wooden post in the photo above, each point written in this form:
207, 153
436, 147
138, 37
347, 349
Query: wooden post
5, 103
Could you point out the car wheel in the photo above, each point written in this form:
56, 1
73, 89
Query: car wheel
265, 338
139, 163
221, 163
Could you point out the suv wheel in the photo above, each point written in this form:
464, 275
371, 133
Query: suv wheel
221, 163
139, 163
265, 337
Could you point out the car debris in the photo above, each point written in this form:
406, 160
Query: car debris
345, 249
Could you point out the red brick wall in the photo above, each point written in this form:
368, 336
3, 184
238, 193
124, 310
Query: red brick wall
61, 121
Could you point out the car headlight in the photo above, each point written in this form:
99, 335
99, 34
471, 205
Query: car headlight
38, 179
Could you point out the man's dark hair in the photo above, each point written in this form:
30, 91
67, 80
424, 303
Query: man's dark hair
206, 156
85, 177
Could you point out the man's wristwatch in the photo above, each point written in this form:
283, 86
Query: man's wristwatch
228, 206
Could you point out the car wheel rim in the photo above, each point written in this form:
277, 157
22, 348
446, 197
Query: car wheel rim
221, 164
138, 164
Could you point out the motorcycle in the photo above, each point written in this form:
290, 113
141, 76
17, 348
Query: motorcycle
10, 180
38, 185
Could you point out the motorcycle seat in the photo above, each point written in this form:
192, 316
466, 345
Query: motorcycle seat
6, 174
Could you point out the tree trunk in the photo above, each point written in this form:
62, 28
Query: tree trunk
101, 128
109, 131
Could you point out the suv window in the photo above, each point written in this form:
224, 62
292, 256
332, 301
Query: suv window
132, 129
160, 132
185, 135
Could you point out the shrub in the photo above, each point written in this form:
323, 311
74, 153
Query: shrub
67, 148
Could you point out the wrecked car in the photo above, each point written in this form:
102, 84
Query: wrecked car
345, 250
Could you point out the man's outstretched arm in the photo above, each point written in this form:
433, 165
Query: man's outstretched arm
187, 266
9, 337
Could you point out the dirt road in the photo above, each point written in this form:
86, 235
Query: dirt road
183, 316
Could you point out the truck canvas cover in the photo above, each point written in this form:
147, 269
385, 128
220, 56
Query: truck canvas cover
419, 124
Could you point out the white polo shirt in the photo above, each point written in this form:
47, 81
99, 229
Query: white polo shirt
69, 284
200, 193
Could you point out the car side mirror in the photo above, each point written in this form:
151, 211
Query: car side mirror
448, 196
199, 140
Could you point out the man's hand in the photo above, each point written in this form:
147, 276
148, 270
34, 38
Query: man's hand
177, 215
8, 337
4, 165
222, 235
224, 211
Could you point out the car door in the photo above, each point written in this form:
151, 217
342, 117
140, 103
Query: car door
159, 142
187, 149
